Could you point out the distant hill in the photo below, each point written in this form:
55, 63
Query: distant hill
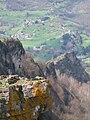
26, 20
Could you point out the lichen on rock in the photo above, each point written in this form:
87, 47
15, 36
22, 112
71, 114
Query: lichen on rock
22, 98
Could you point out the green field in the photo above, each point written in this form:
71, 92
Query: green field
86, 40
49, 32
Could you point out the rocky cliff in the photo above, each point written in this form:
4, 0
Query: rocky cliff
71, 88
14, 60
11, 53
70, 82
23, 99
69, 65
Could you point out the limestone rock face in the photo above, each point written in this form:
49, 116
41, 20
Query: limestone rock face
22, 98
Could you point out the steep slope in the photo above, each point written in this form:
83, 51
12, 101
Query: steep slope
11, 56
70, 88
20, 97
69, 65
14, 60
70, 82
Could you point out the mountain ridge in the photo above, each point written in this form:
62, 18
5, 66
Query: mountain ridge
70, 89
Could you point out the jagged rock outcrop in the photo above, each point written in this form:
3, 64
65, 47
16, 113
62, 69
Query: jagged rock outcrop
6, 64
11, 53
14, 60
70, 84
23, 99
70, 88
71, 41
16, 51
69, 65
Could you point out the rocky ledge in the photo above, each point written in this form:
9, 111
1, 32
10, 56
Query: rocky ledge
21, 98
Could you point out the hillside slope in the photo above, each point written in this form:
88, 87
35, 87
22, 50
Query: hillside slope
40, 25
71, 88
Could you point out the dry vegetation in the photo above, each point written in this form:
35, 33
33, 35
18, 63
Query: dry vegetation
74, 97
